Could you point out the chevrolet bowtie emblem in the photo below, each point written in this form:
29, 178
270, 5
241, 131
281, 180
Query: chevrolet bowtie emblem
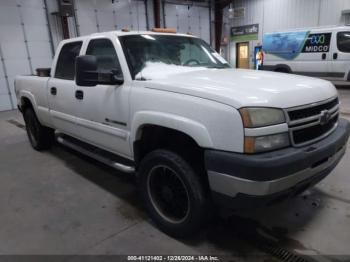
325, 116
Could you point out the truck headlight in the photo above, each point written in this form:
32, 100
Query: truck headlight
265, 143
261, 116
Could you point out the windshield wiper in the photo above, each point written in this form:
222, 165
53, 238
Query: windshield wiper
141, 79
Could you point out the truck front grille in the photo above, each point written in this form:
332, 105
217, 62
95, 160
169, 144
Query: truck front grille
312, 122
312, 110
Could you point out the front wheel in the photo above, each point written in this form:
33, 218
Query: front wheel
40, 137
172, 193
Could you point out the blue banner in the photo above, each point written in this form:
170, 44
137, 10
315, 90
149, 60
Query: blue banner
285, 45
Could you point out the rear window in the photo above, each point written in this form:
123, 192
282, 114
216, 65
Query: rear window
65, 68
343, 41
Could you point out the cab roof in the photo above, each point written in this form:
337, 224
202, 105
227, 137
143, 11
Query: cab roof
122, 33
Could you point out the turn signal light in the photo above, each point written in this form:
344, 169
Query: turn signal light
266, 143
246, 117
249, 145
164, 30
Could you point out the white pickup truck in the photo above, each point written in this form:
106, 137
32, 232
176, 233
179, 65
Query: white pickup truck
167, 108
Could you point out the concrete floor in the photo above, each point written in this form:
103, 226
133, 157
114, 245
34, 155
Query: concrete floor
59, 202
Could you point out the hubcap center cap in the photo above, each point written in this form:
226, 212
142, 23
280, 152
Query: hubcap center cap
167, 194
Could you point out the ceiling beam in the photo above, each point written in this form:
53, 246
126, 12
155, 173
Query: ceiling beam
156, 11
223, 3
219, 5
218, 15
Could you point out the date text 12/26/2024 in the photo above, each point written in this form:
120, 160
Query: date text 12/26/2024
173, 258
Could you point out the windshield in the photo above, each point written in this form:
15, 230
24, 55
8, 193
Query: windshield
151, 52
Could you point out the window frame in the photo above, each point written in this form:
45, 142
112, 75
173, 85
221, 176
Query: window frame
111, 42
337, 39
59, 55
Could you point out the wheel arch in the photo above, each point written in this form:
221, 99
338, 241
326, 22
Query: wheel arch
158, 125
193, 129
27, 100
283, 68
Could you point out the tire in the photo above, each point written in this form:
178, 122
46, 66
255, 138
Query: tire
40, 137
173, 193
282, 70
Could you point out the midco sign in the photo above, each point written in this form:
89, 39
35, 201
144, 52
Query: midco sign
316, 43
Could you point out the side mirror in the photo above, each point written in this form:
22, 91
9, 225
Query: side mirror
88, 75
117, 77
110, 77
86, 70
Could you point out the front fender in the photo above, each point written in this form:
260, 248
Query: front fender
196, 130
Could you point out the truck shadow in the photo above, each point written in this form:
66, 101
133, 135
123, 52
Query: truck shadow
270, 227
237, 233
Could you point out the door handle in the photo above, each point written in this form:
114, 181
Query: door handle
324, 56
53, 91
79, 94
335, 55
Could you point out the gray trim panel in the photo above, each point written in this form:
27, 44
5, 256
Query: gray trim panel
230, 185
320, 74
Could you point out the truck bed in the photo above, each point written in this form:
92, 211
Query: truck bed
33, 88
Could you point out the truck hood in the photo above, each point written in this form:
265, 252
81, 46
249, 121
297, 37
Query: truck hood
240, 88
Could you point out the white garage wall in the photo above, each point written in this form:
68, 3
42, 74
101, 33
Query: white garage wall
103, 15
24, 44
188, 18
25, 39
275, 15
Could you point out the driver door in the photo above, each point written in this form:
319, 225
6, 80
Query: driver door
102, 110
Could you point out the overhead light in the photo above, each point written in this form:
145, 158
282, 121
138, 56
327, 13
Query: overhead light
230, 11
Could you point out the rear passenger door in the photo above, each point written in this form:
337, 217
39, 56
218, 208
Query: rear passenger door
61, 89
340, 64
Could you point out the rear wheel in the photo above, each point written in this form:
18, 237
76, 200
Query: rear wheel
40, 137
173, 193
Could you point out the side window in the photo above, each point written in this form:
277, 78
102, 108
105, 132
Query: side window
65, 68
343, 42
106, 55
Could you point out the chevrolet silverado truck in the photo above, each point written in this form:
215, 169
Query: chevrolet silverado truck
196, 133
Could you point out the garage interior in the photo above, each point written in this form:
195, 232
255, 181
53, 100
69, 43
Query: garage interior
59, 202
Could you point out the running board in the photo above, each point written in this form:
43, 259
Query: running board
105, 160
